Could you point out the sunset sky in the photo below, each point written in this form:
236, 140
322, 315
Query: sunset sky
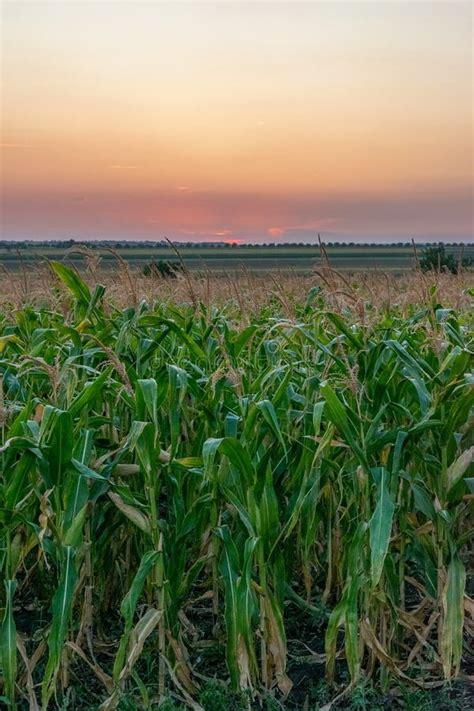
258, 121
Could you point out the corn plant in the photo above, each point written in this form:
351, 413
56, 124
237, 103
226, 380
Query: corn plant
175, 480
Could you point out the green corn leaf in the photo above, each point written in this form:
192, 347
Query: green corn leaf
342, 327
146, 449
317, 416
337, 415
231, 425
97, 296
73, 534
194, 348
129, 605
336, 619
380, 527
418, 365
129, 602
424, 396
268, 411
351, 630
89, 392
58, 436
18, 443
62, 605
269, 514
246, 608
453, 618
248, 515
73, 281
8, 655
85, 471
147, 400
397, 452
228, 566
242, 339
235, 453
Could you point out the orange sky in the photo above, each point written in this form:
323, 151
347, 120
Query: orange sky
260, 121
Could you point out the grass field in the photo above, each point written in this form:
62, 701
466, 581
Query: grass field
236, 493
229, 258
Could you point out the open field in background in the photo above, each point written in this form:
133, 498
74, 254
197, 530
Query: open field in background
364, 291
236, 492
227, 258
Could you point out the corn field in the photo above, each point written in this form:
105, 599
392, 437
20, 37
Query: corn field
184, 493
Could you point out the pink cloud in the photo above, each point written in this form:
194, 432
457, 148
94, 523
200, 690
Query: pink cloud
275, 231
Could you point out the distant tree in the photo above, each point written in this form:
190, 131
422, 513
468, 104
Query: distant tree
436, 259
162, 268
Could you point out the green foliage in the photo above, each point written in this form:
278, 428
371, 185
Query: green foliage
215, 696
184, 495
437, 259
162, 268
169, 705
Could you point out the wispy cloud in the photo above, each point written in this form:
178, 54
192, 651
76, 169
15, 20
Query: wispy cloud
221, 233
